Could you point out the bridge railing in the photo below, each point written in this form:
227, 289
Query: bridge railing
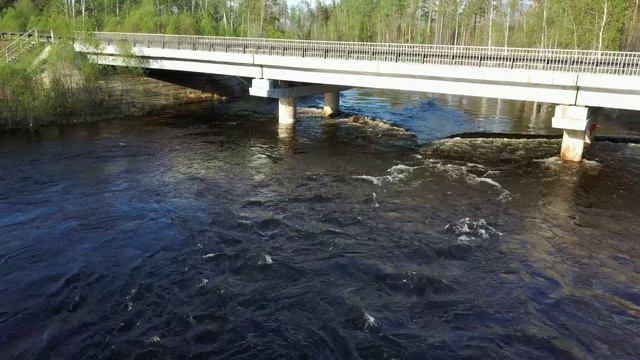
581, 61
22, 41
17, 45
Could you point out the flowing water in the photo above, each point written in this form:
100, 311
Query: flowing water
210, 232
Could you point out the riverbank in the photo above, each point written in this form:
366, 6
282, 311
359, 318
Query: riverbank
112, 98
126, 95
59, 86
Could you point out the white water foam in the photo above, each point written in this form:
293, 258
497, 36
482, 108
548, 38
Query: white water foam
374, 180
396, 173
549, 161
369, 321
375, 201
266, 261
155, 339
454, 171
129, 301
555, 161
467, 230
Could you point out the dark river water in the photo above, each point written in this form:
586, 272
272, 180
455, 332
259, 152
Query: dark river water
211, 232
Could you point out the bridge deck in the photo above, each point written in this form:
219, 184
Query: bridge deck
567, 77
578, 61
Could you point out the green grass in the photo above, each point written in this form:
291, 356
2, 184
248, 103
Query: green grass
27, 58
4, 43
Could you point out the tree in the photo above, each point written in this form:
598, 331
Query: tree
579, 24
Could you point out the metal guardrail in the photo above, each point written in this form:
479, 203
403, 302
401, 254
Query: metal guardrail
22, 42
575, 61
10, 35
43, 35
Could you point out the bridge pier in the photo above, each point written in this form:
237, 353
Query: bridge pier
287, 92
331, 104
287, 110
579, 125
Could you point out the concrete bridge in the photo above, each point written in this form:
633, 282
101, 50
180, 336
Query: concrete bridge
578, 81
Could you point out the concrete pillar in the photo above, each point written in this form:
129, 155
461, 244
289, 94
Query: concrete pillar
572, 145
331, 104
287, 110
578, 125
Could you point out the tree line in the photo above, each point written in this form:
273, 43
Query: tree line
571, 24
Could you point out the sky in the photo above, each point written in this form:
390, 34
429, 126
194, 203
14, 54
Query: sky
296, 2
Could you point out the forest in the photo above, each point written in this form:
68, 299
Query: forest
571, 24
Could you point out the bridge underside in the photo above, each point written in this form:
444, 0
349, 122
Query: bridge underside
227, 86
288, 77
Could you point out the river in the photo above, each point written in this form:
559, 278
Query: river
208, 231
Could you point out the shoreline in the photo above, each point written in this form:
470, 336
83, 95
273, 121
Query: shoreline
120, 96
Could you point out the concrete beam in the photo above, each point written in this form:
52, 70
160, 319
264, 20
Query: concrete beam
165, 54
601, 97
513, 91
185, 66
271, 89
400, 70
571, 117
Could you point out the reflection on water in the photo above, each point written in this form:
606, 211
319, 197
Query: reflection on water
434, 116
461, 114
286, 133
213, 232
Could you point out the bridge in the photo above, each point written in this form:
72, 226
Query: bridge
577, 81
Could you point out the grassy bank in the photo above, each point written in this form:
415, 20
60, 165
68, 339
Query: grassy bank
64, 87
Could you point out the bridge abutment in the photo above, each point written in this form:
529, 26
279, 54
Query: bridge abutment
331, 104
579, 125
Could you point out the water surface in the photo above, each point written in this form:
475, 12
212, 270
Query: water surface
210, 232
